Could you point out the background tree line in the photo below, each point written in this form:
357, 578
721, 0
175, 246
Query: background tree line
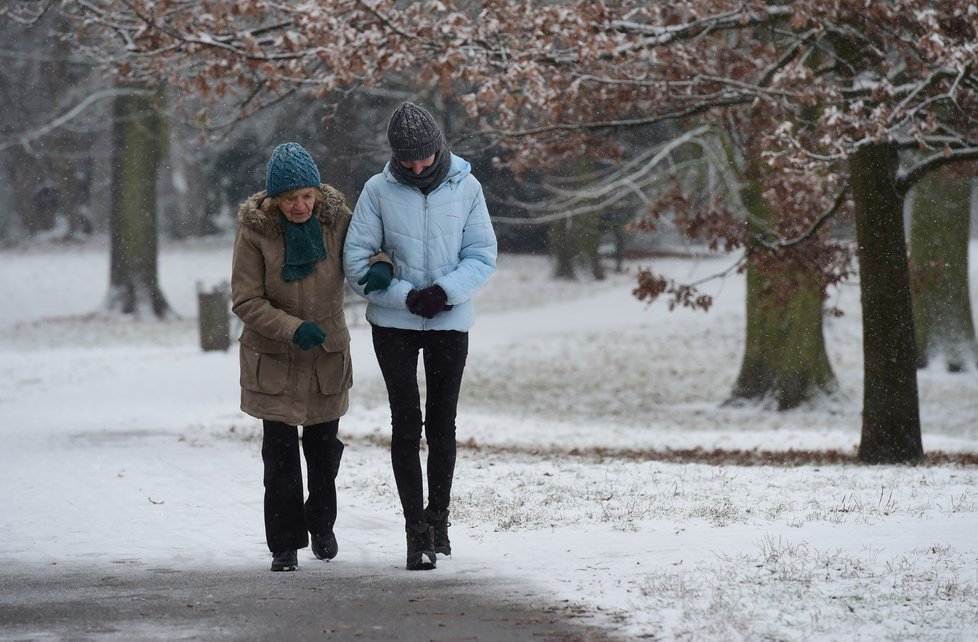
56, 124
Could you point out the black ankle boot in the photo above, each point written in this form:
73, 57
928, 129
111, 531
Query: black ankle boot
285, 561
438, 521
420, 552
324, 547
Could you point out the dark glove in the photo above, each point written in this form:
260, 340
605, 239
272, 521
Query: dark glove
308, 336
427, 302
378, 277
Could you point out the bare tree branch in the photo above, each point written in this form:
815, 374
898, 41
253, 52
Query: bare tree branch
659, 36
26, 138
908, 178
624, 123
24, 12
825, 216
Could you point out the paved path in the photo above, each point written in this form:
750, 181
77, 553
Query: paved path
314, 603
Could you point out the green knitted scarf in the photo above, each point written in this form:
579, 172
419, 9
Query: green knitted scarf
303, 248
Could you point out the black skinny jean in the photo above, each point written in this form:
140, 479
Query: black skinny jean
287, 521
444, 353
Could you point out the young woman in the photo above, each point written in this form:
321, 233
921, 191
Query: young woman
428, 213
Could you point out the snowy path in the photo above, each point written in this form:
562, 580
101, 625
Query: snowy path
123, 449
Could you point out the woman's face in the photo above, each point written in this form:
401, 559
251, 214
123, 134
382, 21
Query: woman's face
418, 166
297, 205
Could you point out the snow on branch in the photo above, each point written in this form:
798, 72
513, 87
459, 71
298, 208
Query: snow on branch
909, 177
783, 243
636, 178
625, 123
24, 139
25, 12
664, 35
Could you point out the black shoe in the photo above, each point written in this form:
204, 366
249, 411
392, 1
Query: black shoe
324, 547
438, 521
285, 561
420, 554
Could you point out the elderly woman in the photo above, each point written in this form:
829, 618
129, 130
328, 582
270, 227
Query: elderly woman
287, 287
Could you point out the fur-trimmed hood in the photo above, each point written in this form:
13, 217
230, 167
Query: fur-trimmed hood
258, 213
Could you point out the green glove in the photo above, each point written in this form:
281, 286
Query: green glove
308, 336
378, 277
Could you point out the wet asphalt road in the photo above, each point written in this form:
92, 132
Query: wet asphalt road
313, 603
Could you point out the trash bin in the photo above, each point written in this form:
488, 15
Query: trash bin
214, 311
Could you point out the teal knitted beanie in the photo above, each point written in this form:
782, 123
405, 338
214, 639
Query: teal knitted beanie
290, 167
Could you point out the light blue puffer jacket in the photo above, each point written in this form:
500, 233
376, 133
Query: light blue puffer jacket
444, 238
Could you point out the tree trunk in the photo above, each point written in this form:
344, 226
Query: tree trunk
785, 360
137, 150
939, 236
562, 248
891, 410
587, 236
28, 192
576, 238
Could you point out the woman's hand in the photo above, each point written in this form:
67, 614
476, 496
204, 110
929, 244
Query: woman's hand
308, 336
378, 277
427, 302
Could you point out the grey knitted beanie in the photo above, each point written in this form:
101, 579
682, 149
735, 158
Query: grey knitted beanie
413, 133
290, 167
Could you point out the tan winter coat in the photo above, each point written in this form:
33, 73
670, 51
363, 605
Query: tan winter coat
279, 381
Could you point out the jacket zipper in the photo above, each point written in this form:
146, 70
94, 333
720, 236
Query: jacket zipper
293, 365
424, 249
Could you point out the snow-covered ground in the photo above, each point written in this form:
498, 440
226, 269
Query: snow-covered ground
122, 444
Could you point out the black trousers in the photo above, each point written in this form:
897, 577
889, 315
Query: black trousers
444, 353
288, 521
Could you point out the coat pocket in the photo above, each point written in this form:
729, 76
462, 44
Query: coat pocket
334, 370
264, 364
